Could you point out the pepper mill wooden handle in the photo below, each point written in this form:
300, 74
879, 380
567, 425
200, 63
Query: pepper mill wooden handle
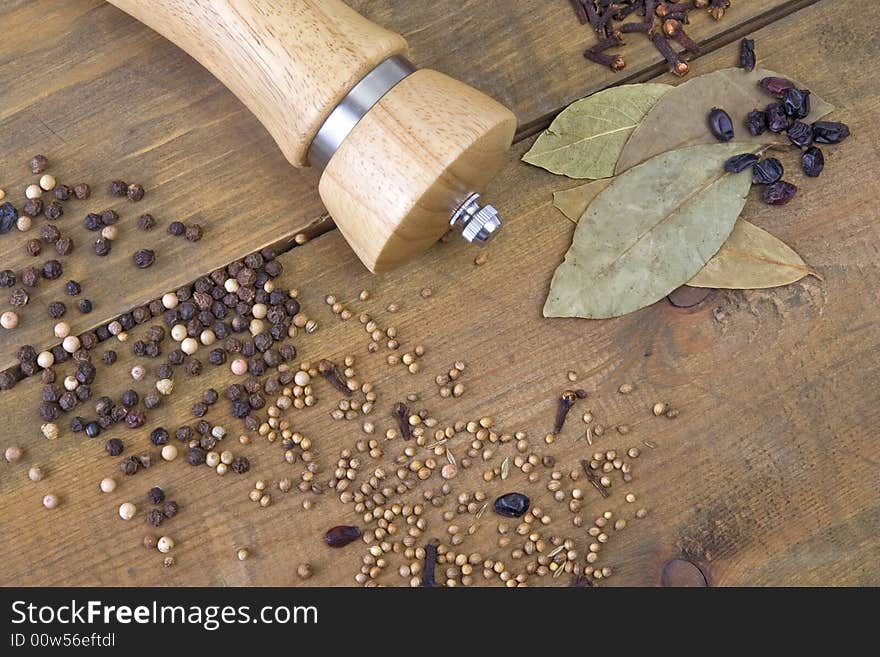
406, 165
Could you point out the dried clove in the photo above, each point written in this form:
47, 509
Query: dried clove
677, 65
428, 580
328, 370
566, 401
675, 29
400, 412
614, 62
593, 479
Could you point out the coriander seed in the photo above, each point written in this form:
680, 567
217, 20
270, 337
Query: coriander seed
13, 454
35, 473
127, 510
108, 485
165, 544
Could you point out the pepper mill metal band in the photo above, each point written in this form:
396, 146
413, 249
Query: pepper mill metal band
404, 152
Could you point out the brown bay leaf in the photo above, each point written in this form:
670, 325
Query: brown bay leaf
678, 119
585, 140
649, 232
574, 202
752, 259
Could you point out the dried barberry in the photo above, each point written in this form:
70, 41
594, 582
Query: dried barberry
796, 102
740, 162
767, 172
8, 217
777, 120
829, 132
800, 134
779, 193
747, 54
720, 124
341, 535
813, 161
776, 86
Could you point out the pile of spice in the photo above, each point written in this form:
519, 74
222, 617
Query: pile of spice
662, 22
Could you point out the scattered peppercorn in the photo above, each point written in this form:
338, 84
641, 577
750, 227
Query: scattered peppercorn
62, 192
52, 269
32, 207
135, 192
84, 306
114, 447
117, 188
8, 217
156, 495
143, 258
38, 164
176, 228
63, 246
93, 429
101, 246
53, 211
146, 222
82, 191
154, 517
193, 233
33, 247
170, 509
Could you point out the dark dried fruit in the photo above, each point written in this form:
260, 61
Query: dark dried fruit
756, 122
341, 535
747, 54
829, 132
720, 124
511, 505
8, 217
767, 171
800, 134
740, 162
776, 86
777, 120
813, 161
796, 103
779, 193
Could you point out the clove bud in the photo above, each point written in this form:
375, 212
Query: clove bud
328, 370
400, 412
566, 401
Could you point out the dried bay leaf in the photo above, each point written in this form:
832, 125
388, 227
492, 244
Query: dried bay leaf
752, 259
678, 119
585, 140
649, 232
573, 202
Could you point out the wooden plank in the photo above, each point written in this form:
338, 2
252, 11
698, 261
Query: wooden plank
113, 100
766, 477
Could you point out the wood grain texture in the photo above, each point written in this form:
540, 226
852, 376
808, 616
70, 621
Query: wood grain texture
768, 476
105, 97
289, 63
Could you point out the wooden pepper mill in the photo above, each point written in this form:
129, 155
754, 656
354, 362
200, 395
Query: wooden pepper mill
403, 151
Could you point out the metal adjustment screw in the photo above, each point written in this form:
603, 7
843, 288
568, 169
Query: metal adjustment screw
478, 222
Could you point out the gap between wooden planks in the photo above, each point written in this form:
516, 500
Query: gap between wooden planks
767, 477
127, 104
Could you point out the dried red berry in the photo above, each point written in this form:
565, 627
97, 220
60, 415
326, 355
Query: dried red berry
813, 161
341, 535
776, 86
779, 193
720, 124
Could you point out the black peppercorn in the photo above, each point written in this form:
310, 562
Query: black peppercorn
7, 278
151, 400
33, 247
240, 465
49, 411
170, 509
67, 401
154, 517
93, 429
129, 465
82, 191
145, 459
63, 246
93, 222
134, 418
217, 357
51, 393
146, 222
195, 456
199, 409
85, 373
84, 392
7, 380
52, 269
77, 424
135, 192
176, 357
155, 333
62, 192
156, 495
193, 232
159, 436
184, 433
57, 309
38, 164
129, 398
114, 447
72, 288
109, 357
117, 188
194, 367
8, 217
53, 211
84, 306
32, 207
143, 258
176, 228
101, 246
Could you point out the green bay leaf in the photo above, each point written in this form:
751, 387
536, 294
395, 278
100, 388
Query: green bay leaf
649, 232
678, 118
574, 202
752, 259
585, 140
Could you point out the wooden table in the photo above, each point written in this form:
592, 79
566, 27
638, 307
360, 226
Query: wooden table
768, 476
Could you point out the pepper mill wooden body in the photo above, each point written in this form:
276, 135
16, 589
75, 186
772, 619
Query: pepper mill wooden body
409, 161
